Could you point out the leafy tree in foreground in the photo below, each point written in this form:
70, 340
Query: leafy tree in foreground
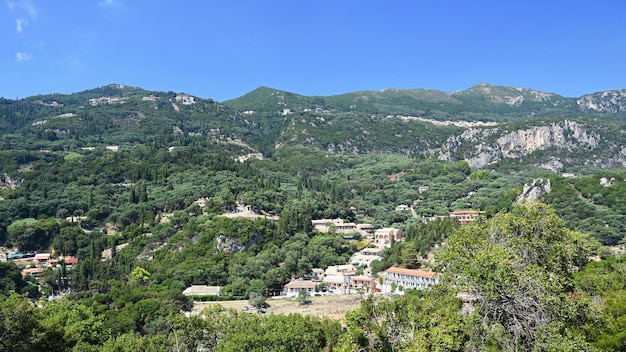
421, 321
605, 281
220, 330
24, 329
518, 267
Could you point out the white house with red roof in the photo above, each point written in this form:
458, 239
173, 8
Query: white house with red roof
293, 288
416, 279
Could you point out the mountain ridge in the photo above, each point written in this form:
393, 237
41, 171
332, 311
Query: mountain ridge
416, 91
391, 89
482, 101
483, 124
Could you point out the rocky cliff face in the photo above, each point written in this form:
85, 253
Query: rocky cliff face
610, 102
561, 135
488, 146
231, 245
12, 183
534, 191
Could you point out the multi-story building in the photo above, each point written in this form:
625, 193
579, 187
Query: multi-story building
464, 216
387, 236
326, 225
410, 278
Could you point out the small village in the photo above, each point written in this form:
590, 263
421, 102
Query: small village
353, 277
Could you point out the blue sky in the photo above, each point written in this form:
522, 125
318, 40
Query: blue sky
224, 49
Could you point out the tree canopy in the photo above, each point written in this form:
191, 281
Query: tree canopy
517, 269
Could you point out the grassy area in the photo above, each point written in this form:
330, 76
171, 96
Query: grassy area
361, 244
334, 307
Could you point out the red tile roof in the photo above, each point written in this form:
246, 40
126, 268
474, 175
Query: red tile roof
301, 284
71, 260
412, 272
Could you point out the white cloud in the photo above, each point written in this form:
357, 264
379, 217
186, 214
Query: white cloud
106, 3
32, 10
22, 56
20, 23
23, 7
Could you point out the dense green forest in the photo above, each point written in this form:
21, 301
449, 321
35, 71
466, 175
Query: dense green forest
134, 184
529, 288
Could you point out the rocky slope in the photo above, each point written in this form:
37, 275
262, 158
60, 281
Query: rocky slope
565, 143
613, 102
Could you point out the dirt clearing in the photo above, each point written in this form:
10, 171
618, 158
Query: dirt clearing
334, 307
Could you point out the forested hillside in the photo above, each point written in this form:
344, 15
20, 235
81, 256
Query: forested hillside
134, 185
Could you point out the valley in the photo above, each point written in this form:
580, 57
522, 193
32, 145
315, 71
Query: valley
115, 201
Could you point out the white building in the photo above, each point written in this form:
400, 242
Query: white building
363, 259
385, 237
326, 225
203, 290
464, 216
345, 269
365, 229
410, 278
337, 283
293, 288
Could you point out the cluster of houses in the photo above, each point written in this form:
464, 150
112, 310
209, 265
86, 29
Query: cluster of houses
336, 279
343, 279
346, 278
341, 227
36, 264
185, 99
462, 216
384, 237
105, 101
286, 112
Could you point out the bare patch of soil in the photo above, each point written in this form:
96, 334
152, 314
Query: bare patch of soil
333, 307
